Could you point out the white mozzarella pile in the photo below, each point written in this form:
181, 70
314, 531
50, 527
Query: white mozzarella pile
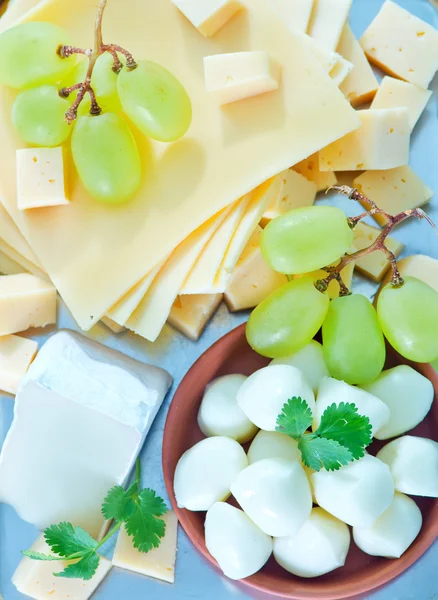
276, 491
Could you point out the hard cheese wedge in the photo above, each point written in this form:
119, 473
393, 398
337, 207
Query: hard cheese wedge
184, 184
296, 14
327, 21
16, 354
296, 191
158, 562
210, 15
191, 313
394, 190
375, 264
309, 167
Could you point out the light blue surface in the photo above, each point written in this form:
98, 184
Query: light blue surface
195, 579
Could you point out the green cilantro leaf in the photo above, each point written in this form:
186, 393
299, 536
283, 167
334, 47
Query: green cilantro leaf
320, 453
39, 555
343, 424
66, 540
118, 503
144, 524
295, 418
84, 568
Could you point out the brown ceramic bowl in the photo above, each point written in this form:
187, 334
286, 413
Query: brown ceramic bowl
361, 573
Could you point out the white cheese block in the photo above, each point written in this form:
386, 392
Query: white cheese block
295, 13
395, 93
272, 444
239, 75
158, 562
16, 354
40, 178
208, 16
375, 264
25, 301
310, 361
402, 44
309, 167
191, 313
296, 192
93, 405
382, 142
327, 21
8, 266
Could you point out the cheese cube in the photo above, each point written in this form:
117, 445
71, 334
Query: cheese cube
191, 313
296, 191
115, 327
208, 16
382, 142
16, 354
402, 45
327, 21
361, 84
253, 279
419, 266
395, 93
309, 168
40, 178
295, 13
341, 69
238, 75
8, 266
375, 264
25, 301
158, 562
35, 578
394, 190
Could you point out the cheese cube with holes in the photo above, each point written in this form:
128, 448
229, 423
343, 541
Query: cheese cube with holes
16, 354
208, 16
191, 313
295, 14
375, 264
25, 301
40, 178
35, 578
394, 190
158, 562
382, 142
238, 75
309, 168
402, 45
395, 93
327, 21
295, 192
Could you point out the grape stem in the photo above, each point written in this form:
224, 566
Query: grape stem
334, 272
93, 54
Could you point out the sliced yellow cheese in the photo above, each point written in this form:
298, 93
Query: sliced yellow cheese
10, 234
333, 287
326, 57
9, 266
158, 562
295, 13
327, 21
394, 190
16, 354
296, 192
15, 10
26, 265
361, 84
190, 314
382, 142
208, 16
309, 168
115, 327
402, 44
341, 69
375, 264
393, 93
40, 178
419, 266
185, 183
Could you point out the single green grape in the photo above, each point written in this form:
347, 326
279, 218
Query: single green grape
306, 239
155, 101
29, 55
288, 319
353, 342
106, 157
39, 116
408, 316
104, 83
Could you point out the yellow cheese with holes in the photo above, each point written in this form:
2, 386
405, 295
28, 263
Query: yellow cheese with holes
295, 13
115, 327
382, 142
309, 168
375, 264
208, 16
393, 92
9, 266
187, 182
296, 192
361, 84
333, 287
16, 354
402, 44
40, 178
158, 562
191, 313
394, 190
327, 21
419, 266
253, 279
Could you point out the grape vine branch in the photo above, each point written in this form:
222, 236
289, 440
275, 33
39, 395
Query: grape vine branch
93, 54
334, 272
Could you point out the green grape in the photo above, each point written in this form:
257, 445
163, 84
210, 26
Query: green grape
288, 319
29, 55
306, 239
106, 157
408, 316
155, 101
104, 83
39, 116
353, 343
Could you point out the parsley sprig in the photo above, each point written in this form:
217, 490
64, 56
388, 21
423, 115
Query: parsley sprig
140, 510
341, 437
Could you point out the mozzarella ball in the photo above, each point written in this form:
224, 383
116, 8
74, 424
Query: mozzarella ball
238, 545
275, 494
205, 473
393, 532
266, 391
413, 462
310, 361
309, 472
357, 493
219, 413
331, 391
272, 444
407, 394
320, 546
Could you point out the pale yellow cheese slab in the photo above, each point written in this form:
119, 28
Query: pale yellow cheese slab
327, 21
375, 264
9, 266
419, 266
309, 167
17, 258
12, 236
191, 180
16, 354
296, 192
115, 327
295, 13
191, 313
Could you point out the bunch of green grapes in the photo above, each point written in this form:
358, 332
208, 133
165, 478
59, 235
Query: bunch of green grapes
353, 331
104, 149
